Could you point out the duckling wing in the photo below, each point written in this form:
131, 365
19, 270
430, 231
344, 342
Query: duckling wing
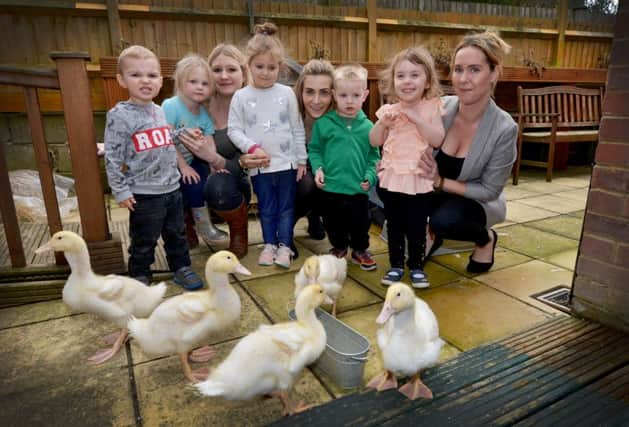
283, 335
112, 287
191, 310
301, 281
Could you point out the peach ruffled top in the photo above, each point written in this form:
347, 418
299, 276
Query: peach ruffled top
402, 150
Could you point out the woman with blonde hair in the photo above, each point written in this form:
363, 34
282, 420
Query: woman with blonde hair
470, 169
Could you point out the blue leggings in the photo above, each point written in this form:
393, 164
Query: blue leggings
193, 192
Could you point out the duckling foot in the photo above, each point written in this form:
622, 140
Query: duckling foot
200, 375
384, 381
193, 376
415, 389
202, 354
111, 338
289, 407
105, 354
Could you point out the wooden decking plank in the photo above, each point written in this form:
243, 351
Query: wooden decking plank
592, 403
443, 380
474, 395
561, 386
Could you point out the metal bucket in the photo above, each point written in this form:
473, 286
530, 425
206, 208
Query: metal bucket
345, 354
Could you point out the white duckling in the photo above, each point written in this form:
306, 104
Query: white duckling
326, 270
408, 342
111, 297
268, 360
186, 321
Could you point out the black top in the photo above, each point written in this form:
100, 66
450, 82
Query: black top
449, 166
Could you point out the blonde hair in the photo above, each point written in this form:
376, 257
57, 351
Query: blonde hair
491, 44
415, 55
354, 72
185, 66
314, 67
264, 41
136, 52
230, 51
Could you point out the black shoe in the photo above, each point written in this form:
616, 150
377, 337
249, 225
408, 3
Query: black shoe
436, 244
482, 267
315, 227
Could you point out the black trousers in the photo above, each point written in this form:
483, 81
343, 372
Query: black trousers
346, 219
456, 217
406, 216
155, 215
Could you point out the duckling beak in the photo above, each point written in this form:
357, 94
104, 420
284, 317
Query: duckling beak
242, 270
328, 300
387, 311
44, 248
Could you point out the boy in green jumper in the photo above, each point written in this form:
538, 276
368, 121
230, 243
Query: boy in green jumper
345, 165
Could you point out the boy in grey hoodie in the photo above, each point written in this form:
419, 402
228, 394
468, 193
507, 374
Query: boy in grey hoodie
141, 166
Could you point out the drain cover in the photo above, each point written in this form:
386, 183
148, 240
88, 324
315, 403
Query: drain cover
558, 297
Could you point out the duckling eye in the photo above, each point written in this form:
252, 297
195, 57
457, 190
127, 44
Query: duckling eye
398, 294
59, 237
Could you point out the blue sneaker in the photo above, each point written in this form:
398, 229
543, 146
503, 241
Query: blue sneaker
188, 279
419, 280
392, 276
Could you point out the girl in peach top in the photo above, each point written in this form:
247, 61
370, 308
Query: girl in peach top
406, 129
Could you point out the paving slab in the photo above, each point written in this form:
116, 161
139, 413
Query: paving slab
33, 313
555, 203
47, 379
566, 259
534, 243
564, 225
457, 263
524, 280
520, 212
471, 314
276, 295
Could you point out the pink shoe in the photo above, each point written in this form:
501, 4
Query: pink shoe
283, 256
267, 256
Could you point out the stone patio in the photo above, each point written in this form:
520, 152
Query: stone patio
44, 347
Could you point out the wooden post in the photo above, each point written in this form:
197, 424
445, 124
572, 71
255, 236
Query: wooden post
372, 56
251, 16
44, 166
77, 106
113, 20
372, 16
562, 17
9, 216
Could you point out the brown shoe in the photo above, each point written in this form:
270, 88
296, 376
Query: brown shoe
237, 219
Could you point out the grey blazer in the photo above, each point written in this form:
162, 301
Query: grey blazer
492, 154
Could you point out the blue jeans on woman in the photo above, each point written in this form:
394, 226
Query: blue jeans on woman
276, 204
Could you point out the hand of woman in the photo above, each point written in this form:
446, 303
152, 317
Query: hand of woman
319, 178
428, 166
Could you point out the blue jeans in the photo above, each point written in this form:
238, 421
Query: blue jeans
155, 215
276, 204
193, 192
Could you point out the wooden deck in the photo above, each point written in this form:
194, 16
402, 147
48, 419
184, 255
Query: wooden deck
36, 234
565, 372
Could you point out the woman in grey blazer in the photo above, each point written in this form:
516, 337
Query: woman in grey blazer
470, 169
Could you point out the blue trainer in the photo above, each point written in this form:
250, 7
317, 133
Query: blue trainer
392, 276
419, 280
188, 279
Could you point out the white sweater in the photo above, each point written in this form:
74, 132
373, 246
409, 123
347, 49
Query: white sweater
269, 118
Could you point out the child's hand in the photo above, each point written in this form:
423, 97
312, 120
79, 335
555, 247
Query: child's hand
259, 153
413, 115
365, 185
128, 204
301, 171
389, 118
319, 178
189, 175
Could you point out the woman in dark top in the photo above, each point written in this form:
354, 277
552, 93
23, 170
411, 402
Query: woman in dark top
470, 169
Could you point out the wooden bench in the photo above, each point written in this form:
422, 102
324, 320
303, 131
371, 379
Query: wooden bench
556, 115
